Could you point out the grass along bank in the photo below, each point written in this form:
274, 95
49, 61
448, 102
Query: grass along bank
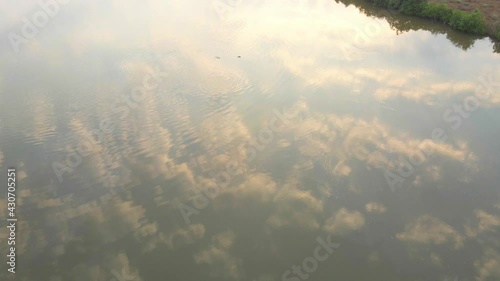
472, 22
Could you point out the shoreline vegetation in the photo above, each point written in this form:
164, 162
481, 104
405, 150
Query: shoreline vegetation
423, 15
472, 22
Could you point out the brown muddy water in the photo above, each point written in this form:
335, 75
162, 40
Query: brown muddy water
246, 140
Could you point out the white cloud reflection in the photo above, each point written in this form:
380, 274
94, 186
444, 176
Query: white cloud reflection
431, 230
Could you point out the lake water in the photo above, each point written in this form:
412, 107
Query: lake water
247, 140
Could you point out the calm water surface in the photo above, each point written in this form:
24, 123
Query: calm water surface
248, 140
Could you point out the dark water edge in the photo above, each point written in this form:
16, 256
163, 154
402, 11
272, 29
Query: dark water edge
403, 23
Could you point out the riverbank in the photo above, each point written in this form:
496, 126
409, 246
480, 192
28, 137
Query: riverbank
479, 17
489, 9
